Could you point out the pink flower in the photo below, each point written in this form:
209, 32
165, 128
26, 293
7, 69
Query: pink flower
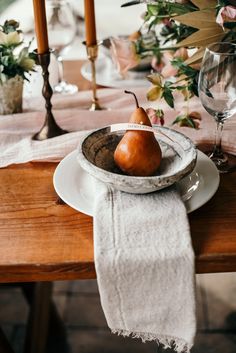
156, 116
168, 69
152, 115
167, 22
156, 64
226, 14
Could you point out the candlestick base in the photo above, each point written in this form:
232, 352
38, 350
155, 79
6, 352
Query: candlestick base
96, 106
92, 53
50, 128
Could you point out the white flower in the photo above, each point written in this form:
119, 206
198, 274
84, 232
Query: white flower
27, 64
24, 61
3, 78
10, 38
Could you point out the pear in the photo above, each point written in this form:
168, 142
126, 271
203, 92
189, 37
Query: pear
138, 152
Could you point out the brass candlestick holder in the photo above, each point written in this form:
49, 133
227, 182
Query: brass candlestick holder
92, 53
50, 128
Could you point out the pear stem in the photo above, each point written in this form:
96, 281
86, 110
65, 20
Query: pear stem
136, 100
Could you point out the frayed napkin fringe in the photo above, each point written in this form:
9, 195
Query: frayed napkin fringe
178, 344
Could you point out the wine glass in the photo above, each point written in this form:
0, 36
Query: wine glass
61, 32
217, 92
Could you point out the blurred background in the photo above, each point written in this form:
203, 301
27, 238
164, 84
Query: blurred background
78, 301
66, 34
111, 19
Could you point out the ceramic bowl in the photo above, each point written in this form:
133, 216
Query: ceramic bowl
95, 155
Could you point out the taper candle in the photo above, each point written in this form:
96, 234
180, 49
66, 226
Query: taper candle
90, 25
40, 22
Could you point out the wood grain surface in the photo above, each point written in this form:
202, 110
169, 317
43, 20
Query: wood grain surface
43, 240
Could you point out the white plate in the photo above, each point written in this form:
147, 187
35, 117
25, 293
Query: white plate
106, 75
76, 187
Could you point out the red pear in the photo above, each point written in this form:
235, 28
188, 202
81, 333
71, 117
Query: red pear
138, 152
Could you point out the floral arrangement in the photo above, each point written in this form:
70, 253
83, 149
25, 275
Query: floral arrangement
178, 32
15, 59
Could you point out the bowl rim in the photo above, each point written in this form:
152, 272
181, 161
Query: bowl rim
81, 158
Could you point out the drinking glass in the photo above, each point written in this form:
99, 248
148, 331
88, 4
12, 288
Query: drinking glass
61, 32
217, 92
127, 62
123, 54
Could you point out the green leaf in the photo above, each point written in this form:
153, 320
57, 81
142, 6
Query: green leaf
168, 96
180, 9
178, 119
155, 79
184, 120
154, 93
152, 10
168, 84
159, 113
5, 60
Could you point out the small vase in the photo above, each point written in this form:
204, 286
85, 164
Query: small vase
11, 95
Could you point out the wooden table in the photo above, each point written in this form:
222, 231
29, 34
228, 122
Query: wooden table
41, 240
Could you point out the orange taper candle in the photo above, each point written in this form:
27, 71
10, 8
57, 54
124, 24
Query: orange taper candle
40, 23
90, 25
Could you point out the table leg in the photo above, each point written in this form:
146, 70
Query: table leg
39, 315
55, 335
4, 344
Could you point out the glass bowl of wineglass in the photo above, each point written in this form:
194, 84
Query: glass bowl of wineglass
217, 92
61, 32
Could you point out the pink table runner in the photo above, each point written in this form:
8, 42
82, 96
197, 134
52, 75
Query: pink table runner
16, 145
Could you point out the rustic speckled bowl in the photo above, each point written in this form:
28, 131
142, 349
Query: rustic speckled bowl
95, 155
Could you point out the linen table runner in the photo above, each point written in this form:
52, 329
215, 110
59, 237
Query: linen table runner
145, 265
71, 113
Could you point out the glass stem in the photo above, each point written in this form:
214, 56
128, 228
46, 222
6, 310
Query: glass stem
60, 69
218, 137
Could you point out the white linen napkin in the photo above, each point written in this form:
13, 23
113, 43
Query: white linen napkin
143, 254
145, 266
